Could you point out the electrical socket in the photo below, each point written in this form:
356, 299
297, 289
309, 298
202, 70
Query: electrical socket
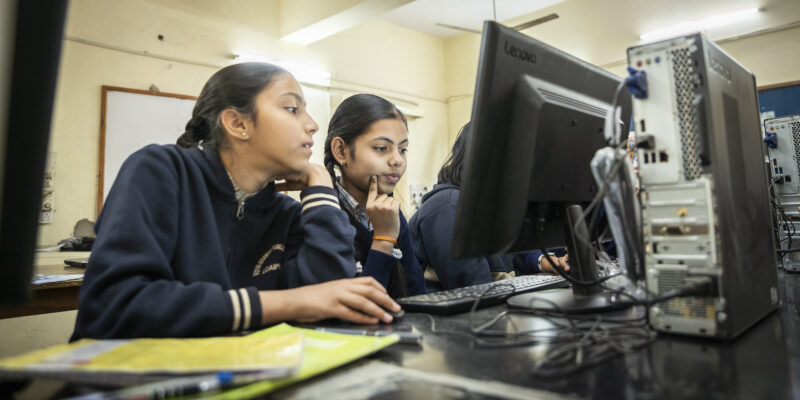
417, 191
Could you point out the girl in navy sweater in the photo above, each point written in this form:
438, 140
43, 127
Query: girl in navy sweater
195, 240
432, 230
367, 142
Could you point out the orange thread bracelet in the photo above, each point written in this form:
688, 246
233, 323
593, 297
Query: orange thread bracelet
385, 238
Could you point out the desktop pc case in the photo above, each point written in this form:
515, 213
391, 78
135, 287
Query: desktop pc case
784, 161
704, 188
784, 168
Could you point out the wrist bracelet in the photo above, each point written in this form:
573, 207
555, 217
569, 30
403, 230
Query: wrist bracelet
385, 238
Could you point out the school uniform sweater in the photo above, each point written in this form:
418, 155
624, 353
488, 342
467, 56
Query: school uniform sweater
177, 255
432, 231
378, 264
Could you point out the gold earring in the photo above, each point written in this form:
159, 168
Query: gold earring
244, 135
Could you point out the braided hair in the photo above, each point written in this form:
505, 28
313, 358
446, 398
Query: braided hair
236, 87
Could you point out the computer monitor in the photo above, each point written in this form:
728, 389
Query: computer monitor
30, 46
538, 118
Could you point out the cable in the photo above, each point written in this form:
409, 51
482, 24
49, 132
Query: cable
575, 342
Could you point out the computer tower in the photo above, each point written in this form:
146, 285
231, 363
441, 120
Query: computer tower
784, 161
704, 192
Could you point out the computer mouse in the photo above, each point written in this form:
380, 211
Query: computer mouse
396, 316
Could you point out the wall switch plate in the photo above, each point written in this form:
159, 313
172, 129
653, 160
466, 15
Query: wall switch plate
417, 191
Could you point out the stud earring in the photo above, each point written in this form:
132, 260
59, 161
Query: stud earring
244, 135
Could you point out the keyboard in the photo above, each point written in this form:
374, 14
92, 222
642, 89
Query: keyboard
459, 300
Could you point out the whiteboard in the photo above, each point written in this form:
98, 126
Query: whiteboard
132, 119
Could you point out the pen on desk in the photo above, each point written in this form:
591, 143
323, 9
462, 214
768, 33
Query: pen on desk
405, 337
170, 388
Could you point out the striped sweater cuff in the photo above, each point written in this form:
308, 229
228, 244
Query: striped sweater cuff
246, 305
316, 196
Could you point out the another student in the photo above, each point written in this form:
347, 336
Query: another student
367, 141
194, 239
432, 230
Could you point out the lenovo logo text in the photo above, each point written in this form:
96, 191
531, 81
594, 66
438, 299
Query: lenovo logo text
519, 53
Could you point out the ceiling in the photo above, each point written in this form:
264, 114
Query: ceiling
583, 25
422, 15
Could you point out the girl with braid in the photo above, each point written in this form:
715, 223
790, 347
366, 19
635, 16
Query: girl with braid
367, 142
195, 240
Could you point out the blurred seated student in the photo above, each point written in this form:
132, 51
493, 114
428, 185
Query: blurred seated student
367, 142
432, 230
195, 240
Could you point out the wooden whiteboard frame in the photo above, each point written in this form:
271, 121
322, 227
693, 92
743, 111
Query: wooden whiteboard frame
778, 85
102, 145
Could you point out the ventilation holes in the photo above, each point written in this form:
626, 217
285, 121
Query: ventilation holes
796, 139
687, 307
683, 73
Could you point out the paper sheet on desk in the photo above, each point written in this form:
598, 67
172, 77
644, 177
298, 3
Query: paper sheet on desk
42, 279
77, 361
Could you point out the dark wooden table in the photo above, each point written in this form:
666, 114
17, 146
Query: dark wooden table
50, 297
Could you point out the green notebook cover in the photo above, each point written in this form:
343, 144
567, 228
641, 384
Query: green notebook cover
322, 352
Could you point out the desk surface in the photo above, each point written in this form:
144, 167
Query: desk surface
763, 363
55, 296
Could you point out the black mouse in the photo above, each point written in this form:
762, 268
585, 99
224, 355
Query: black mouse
396, 316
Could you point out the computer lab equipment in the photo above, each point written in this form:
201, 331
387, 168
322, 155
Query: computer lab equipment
704, 188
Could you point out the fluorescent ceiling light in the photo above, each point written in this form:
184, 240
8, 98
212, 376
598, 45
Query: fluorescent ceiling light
303, 73
700, 25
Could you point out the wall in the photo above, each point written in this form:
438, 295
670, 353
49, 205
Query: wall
24, 334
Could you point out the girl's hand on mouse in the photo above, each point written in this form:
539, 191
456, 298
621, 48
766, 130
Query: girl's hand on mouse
361, 300
560, 261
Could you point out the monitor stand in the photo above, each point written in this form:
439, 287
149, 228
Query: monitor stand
579, 299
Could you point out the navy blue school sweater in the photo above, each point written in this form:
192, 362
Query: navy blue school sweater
176, 255
378, 264
432, 231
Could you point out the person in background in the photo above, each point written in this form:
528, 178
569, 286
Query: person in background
432, 230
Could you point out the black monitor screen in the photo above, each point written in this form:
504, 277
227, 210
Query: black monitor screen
538, 118
31, 46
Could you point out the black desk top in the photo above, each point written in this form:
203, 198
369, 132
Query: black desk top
763, 363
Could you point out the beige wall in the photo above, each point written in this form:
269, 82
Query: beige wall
24, 334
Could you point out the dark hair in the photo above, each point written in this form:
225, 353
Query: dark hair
353, 117
451, 169
235, 86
